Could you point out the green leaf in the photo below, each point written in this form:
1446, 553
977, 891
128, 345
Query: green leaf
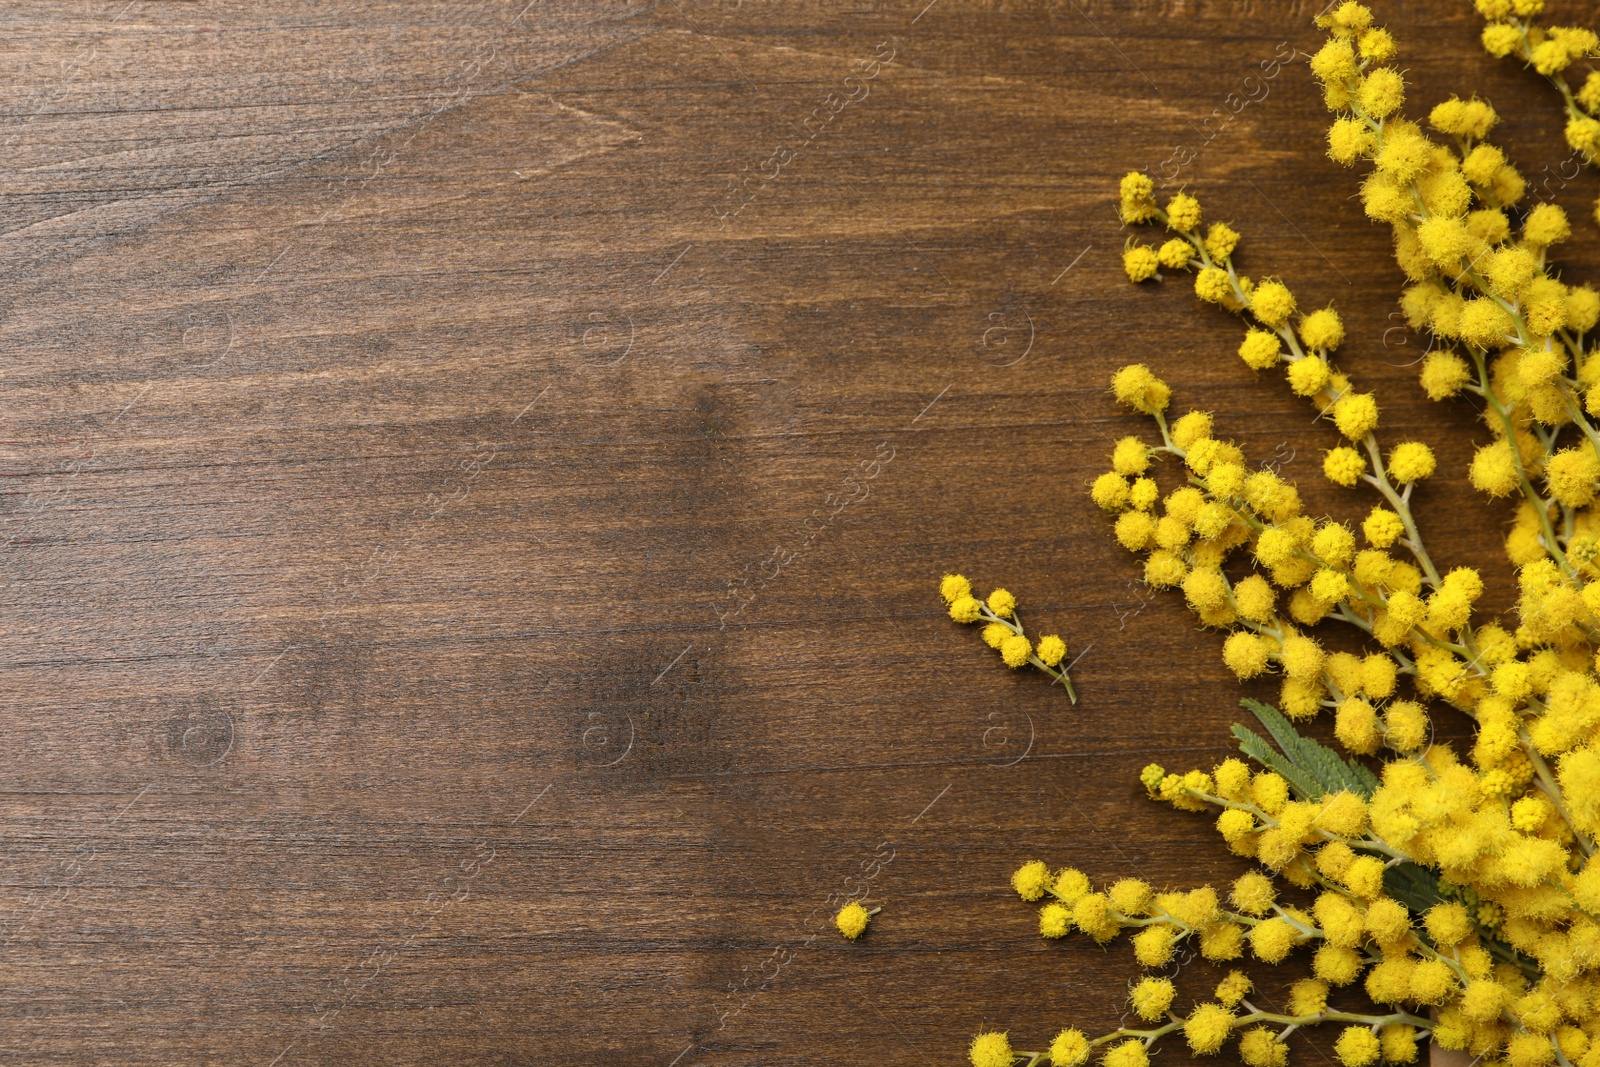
1314, 770
1321, 769
1414, 886
1256, 747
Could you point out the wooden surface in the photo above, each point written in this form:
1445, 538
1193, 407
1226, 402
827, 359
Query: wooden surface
441, 621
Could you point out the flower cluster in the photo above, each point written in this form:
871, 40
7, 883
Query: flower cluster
1455, 889
1512, 28
1253, 922
1003, 630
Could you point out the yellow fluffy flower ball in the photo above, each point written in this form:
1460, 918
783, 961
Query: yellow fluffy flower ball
1356, 415
1322, 329
1343, 465
1069, 1049
1030, 880
1260, 1047
1348, 140
1308, 376
1130, 457
1254, 598
1015, 650
1137, 386
1335, 61
1253, 893
1411, 461
1234, 988
1207, 1028
1139, 262
1110, 491
1357, 1047
953, 587
966, 609
852, 920
991, 1050
1444, 374
1572, 474
1051, 649
1382, 92
1272, 303
1272, 940
1247, 654
1546, 225
1398, 1043
1175, 253
1212, 285
1129, 1053
1055, 920
1260, 349
1138, 197
1152, 997
1494, 470
1183, 212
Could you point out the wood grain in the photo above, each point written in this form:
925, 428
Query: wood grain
433, 629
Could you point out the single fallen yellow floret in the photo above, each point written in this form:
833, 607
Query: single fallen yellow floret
852, 920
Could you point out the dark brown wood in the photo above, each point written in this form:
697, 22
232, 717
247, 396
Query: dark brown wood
394, 395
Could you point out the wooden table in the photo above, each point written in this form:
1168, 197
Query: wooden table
477, 476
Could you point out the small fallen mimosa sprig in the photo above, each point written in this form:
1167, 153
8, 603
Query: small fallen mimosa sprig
1003, 631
